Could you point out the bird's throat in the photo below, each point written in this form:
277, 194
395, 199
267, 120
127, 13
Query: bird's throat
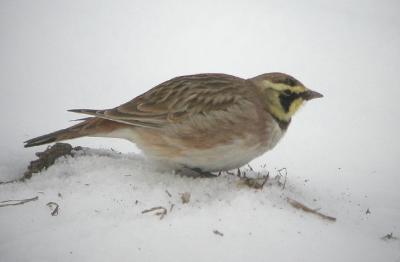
283, 124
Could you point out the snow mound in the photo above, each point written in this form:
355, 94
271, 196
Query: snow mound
105, 213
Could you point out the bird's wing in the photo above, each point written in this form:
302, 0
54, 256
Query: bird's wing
177, 100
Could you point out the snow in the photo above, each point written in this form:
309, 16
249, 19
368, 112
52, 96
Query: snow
341, 152
103, 194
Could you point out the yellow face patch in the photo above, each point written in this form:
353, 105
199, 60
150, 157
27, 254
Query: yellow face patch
283, 100
281, 114
282, 87
296, 104
284, 106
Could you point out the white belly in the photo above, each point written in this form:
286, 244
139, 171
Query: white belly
230, 156
221, 157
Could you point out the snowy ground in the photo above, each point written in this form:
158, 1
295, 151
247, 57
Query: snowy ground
101, 196
341, 152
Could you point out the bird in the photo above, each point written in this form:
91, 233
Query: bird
203, 123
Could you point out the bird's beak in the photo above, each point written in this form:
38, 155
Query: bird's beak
309, 94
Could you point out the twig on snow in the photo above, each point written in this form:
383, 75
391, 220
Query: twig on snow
284, 176
168, 193
17, 202
256, 183
185, 197
389, 237
56, 207
218, 233
305, 208
161, 213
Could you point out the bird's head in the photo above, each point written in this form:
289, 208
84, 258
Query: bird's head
282, 94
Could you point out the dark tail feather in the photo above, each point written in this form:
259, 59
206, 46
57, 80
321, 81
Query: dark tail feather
85, 111
63, 134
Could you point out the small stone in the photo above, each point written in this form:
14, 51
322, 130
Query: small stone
185, 197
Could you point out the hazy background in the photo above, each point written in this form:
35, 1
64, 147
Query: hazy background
57, 55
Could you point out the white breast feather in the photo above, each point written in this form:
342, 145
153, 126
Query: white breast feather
220, 157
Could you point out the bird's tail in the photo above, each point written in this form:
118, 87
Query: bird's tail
75, 131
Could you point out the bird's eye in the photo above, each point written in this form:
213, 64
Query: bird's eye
287, 92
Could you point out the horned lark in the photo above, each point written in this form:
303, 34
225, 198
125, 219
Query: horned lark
206, 122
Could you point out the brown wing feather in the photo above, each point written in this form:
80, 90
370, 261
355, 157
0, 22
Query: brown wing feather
178, 99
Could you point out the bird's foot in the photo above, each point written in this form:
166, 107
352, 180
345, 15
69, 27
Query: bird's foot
195, 173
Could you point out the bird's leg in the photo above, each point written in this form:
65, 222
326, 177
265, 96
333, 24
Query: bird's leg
195, 173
